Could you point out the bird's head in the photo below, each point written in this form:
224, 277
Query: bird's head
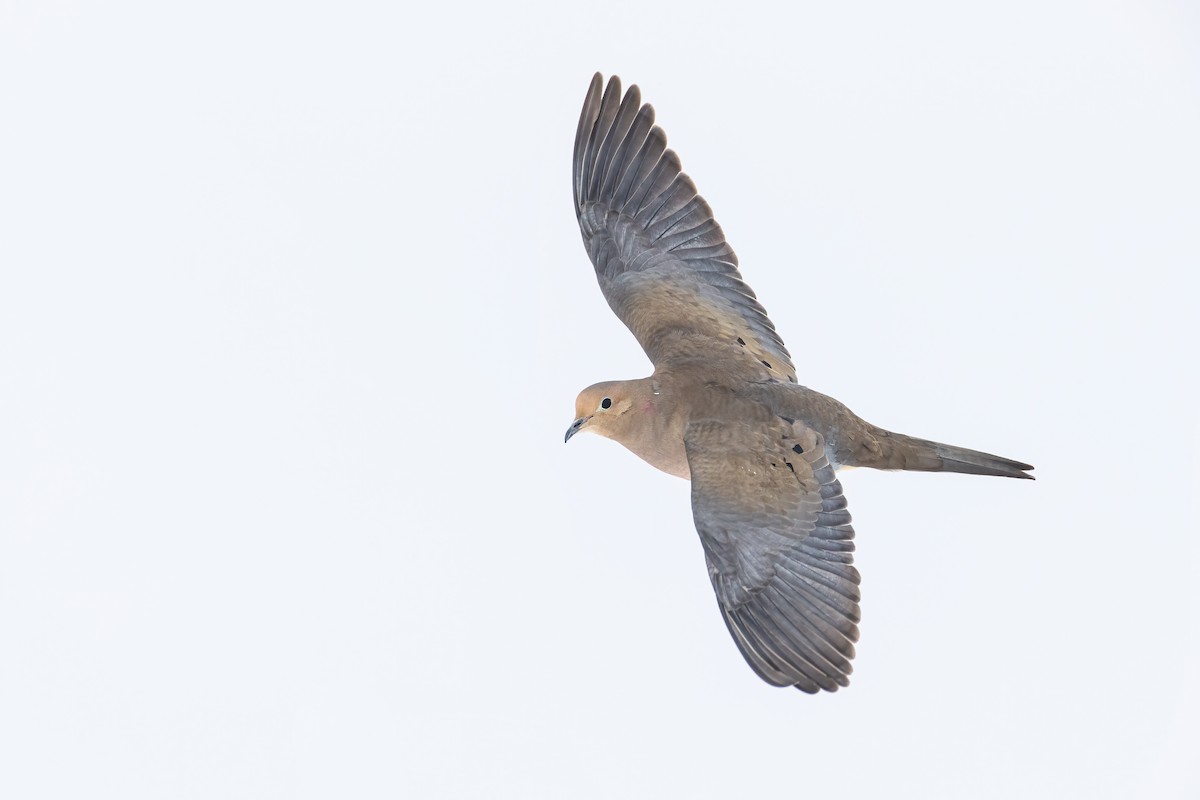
604, 408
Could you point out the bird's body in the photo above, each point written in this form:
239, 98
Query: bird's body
723, 407
668, 400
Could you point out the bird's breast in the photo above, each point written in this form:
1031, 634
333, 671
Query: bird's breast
657, 438
671, 460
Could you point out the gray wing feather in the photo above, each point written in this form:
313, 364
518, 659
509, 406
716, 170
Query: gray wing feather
660, 257
778, 541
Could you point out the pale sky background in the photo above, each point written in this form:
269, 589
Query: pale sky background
294, 309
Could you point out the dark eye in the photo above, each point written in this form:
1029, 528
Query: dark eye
606, 402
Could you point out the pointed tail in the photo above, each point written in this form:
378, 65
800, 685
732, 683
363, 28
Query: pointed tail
908, 452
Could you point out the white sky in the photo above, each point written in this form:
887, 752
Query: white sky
293, 312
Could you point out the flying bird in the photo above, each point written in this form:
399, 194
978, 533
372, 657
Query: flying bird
723, 407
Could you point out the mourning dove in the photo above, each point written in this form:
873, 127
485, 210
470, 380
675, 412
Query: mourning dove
723, 407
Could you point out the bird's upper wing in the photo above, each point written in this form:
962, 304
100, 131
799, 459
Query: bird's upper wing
661, 259
778, 542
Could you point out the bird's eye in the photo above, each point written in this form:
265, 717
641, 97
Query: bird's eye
606, 402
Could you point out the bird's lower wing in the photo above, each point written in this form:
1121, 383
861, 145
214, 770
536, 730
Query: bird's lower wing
778, 541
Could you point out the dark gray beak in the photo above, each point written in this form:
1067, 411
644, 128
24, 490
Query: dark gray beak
576, 426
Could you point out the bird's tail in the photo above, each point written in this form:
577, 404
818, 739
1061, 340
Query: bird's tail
910, 453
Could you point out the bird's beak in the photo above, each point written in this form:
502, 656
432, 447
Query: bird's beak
575, 428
